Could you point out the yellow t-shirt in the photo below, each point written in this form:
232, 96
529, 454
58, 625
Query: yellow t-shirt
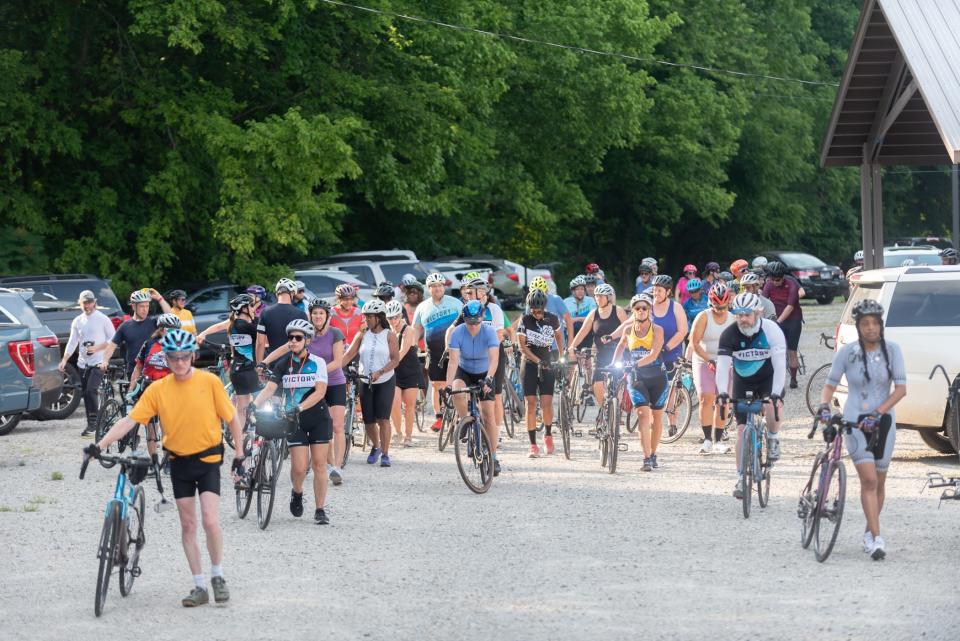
190, 412
186, 319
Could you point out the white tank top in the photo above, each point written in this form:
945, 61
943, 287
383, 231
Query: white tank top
710, 342
375, 354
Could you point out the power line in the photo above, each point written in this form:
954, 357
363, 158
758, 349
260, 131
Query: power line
611, 54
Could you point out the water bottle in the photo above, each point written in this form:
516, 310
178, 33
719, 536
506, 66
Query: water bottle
687, 380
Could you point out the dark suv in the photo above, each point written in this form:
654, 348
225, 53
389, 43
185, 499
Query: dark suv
211, 305
819, 280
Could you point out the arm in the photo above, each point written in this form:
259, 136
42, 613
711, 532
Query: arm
394, 356
236, 430
568, 320
354, 350
337, 360
778, 355
72, 343
619, 331
621, 346
696, 336
584, 330
265, 395
261, 347
453, 363
164, 305
724, 362
213, 329
899, 370
527, 354
116, 432
277, 353
493, 358
561, 342
682, 327
319, 390
655, 348
793, 300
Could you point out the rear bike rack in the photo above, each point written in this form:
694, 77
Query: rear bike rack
952, 485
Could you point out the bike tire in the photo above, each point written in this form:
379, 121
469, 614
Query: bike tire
683, 410
132, 541
244, 497
613, 437
602, 432
565, 427
107, 553
443, 434
108, 415
509, 423
581, 406
831, 514
630, 423
746, 460
815, 385
347, 430
808, 504
421, 411
474, 461
266, 483
763, 482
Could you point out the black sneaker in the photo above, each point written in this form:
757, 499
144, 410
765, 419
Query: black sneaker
496, 467
88, 431
793, 383
296, 503
320, 517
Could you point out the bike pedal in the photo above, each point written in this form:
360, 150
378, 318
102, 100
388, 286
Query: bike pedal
578, 433
592, 433
623, 447
135, 572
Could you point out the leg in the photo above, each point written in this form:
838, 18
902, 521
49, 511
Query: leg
460, 400
740, 429
409, 411
546, 407
318, 455
90, 381
384, 425
498, 410
867, 472
598, 393
210, 512
373, 433
187, 509
644, 420
338, 414
881, 493
299, 460
531, 415
396, 413
490, 426
656, 428
707, 411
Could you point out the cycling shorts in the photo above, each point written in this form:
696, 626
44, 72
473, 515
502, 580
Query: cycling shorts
409, 376
474, 379
648, 387
858, 448
376, 401
791, 332
436, 373
190, 476
315, 427
501, 372
536, 382
336, 395
603, 358
245, 381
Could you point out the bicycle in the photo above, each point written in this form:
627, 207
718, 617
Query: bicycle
355, 432
581, 388
607, 431
122, 537
679, 402
112, 396
565, 417
818, 379
514, 410
471, 445
447, 425
266, 448
818, 503
222, 371
753, 457
952, 424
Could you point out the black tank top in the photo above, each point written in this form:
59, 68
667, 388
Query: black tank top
409, 362
605, 326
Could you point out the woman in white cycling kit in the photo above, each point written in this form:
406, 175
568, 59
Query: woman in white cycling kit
704, 342
872, 366
603, 322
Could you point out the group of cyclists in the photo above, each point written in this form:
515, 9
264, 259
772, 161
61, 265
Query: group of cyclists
739, 328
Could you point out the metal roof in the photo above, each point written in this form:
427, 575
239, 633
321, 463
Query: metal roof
899, 99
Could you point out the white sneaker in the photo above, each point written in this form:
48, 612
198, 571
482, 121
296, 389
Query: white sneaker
773, 447
868, 541
879, 550
706, 447
720, 448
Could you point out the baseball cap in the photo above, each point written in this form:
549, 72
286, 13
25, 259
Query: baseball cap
85, 296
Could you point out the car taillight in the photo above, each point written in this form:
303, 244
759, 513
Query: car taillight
447, 282
514, 277
21, 352
804, 273
48, 341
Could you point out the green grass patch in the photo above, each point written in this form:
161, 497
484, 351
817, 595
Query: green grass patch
6, 508
56, 476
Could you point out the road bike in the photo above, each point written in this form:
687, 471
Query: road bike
113, 405
952, 424
265, 448
818, 379
514, 410
680, 402
754, 460
355, 432
822, 499
471, 447
122, 537
581, 383
448, 424
607, 431
565, 414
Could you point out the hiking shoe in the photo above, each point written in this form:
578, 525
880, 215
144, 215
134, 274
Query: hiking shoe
296, 503
720, 448
647, 465
878, 550
197, 596
868, 541
374, 456
385, 460
773, 447
221, 594
496, 467
725, 437
738, 489
436, 424
706, 447
320, 517
548, 444
336, 477
534, 451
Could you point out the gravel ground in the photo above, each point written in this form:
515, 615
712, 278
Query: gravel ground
556, 550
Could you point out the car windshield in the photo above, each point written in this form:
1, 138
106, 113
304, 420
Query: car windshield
798, 260
928, 303
394, 272
896, 259
326, 283
63, 295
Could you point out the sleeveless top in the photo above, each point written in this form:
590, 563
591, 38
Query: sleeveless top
669, 324
375, 354
322, 346
409, 362
349, 324
711, 335
605, 326
641, 346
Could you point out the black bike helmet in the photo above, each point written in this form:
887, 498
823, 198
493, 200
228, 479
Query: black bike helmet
536, 300
384, 290
238, 302
867, 307
776, 269
662, 280
174, 294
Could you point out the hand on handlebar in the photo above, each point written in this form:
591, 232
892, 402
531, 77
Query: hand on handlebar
823, 413
870, 422
92, 450
776, 400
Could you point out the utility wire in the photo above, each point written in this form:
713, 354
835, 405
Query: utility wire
611, 54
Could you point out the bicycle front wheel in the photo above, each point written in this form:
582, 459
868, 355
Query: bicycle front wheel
830, 514
809, 503
682, 409
613, 436
347, 429
763, 481
132, 542
244, 496
108, 415
107, 553
746, 461
421, 410
266, 482
471, 448
815, 385
565, 427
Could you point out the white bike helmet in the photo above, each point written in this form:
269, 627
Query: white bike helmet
746, 302
394, 309
140, 296
168, 321
374, 306
436, 278
300, 325
285, 285
604, 289
759, 262
749, 278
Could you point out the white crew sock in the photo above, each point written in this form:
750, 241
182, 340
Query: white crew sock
200, 581
216, 570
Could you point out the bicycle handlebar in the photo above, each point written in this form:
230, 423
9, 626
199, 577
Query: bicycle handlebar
124, 461
734, 401
837, 420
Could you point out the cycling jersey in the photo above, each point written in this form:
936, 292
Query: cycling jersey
641, 283
186, 319
692, 307
669, 324
297, 377
787, 293
435, 318
349, 323
492, 317
682, 289
474, 354
322, 346
756, 359
865, 396
579, 310
273, 323
152, 360
540, 334
243, 337
641, 346
131, 335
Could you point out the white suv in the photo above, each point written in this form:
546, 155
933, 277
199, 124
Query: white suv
922, 314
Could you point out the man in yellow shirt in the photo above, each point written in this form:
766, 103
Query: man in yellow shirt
190, 403
178, 300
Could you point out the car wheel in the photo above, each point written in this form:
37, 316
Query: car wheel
8, 422
824, 300
937, 440
66, 404
952, 423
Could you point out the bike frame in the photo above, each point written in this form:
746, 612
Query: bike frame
123, 493
755, 418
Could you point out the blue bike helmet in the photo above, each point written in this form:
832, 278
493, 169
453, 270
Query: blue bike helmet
179, 340
473, 312
694, 285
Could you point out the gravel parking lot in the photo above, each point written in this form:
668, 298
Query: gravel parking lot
556, 550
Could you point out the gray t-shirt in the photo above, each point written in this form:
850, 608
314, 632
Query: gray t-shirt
864, 397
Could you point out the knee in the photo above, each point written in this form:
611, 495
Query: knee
868, 483
211, 522
188, 527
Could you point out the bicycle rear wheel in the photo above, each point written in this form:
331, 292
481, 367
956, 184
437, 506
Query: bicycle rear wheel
828, 518
421, 410
108, 415
132, 541
446, 427
614, 436
471, 448
244, 497
347, 430
763, 480
509, 422
107, 553
746, 462
808, 503
266, 483
815, 385
682, 408
565, 427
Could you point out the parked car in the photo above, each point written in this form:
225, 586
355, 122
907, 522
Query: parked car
922, 314
912, 241
324, 282
211, 305
919, 254
455, 270
372, 271
819, 280
55, 300
29, 356
509, 278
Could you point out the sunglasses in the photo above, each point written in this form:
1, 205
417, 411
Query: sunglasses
641, 308
296, 338
178, 359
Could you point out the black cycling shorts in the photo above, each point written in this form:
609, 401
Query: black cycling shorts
245, 381
336, 395
603, 358
315, 428
648, 387
190, 476
376, 401
474, 379
537, 383
760, 389
792, 328
501, 372
436, 373
409, 376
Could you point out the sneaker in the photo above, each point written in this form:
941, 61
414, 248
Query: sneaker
773, 447
879, 549
793, 383
725, 437
197, 596
647, 465
496, 467
320, 517
653, 461
408, 442
336, 477
374, 456
385, 460
706, 447
548, 443
534, 451
672, 430
296, 503
436, 424
867, 541
720, 448
220, 592
738, 489
87, 431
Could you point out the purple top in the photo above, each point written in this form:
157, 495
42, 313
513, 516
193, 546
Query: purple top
322, 346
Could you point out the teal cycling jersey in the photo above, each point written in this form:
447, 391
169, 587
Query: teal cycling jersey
297, 377
243, 337
693, 307
579, 309
435, 318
